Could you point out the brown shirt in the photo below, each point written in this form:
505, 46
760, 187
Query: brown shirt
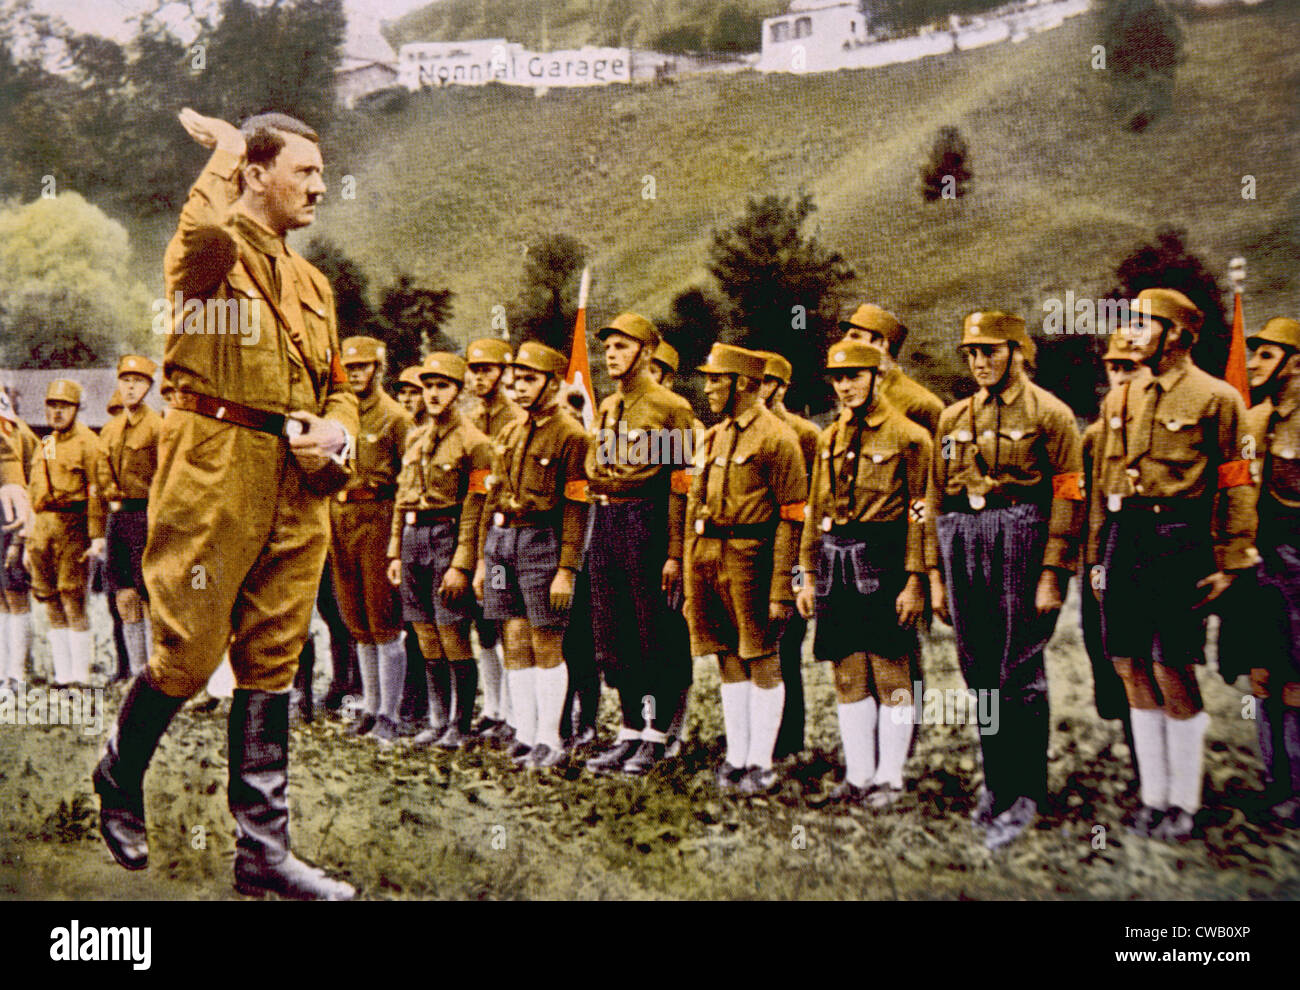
1021, 444
912, 399
872, 469
381, 441
130, 445
537, 470
1179, 436
749, 470
805, 431
1275, 429
491, 420
446, 464
227, 267
64, 472
16, 452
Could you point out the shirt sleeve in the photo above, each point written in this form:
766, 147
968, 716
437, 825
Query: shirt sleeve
918, 456
202, 250
1065, 462
471, 513
1235, 497
574, 516
92, 465
790, 486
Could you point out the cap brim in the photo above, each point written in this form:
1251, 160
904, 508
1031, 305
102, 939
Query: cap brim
981, 339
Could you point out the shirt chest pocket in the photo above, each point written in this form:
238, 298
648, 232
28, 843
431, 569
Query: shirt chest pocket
1018, 449
1177, 440
539, 474
745, 472
878, 471
139, 454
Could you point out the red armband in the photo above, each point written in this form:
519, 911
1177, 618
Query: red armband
793, 511
1067, 486
337, 375
1234, 473
478, 481
576, 491
680, 482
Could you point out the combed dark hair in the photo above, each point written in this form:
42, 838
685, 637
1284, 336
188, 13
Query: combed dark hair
262, 139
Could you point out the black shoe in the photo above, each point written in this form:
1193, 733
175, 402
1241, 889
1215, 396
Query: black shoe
334, 698
881, 796
543, 757
363, 725
728, 777
758, 780
1007, 826
519, 754
428, 736
643, 760
451, 738
1176, 826
1143, 821
292, 878
613, 758
484, 726
119, 777
584, 739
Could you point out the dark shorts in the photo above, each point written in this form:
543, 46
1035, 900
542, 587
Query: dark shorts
1261, 610
125, 536
13, 578
858, 582
1151, 570
426, 555
521, 564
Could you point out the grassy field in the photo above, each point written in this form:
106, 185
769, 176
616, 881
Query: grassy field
404, 824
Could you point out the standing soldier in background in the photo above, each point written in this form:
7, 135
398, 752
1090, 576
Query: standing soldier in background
360, 519
68, 531
531, 549
260, 431
1270, 636
1174, 507
776, 382
18, 445
634, 545
744, 511
1007, 506
410, 393
863, 571
433, 545
492, 411
882, 330
129, 442
663, 364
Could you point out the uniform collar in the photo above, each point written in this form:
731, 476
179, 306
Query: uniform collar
1008, 395
748, 416
133, 418
369, 402
1171, 377
260, 237
637, 388
875, 415
448, 423
1285, 407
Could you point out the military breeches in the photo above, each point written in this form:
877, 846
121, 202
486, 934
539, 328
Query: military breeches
358, 557
234, 559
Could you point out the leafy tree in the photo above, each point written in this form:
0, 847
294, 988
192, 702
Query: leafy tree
691, 327
1143, 41
410, 321
548, 299
735, 30
350, 283
946, 174
680, 39
781, 288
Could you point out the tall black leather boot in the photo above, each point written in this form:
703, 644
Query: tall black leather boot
259, 800
119, 777
303, 678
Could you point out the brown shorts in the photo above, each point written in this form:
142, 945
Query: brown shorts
368, 604
728, 593
57, 542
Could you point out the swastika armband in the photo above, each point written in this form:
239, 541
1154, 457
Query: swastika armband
680, 482
1067, 486
478, 481
793, 511
1234, 473
916, 511
576, 491
337, 375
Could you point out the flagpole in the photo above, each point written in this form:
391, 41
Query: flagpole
1235, 371
579, 371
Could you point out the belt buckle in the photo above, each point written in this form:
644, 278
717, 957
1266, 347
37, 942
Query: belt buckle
114, 506
601, 498
977, 501
699, 527
410, 518
343, 495
498, 519
1114, 502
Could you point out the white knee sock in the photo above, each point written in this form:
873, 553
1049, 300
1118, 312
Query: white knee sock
79, 651
392, 676
551, 686
368, 664
137, 650
1186, 746
735, 720
59, 654
504, 697
9, 665
148, 635
1152, 759
858, 733
524, 704
895, 738
489, 675
765, 708
18, 634
222, 682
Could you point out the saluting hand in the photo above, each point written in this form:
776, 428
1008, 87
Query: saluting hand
562, 590
1218, 583
805, 600
212, 132
453, 584
395, 573
939, 597
910, 604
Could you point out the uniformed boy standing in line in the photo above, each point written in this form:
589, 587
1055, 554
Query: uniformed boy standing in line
18, 448
776, 382
361, 516
743, 513
862, 555
491, 411
637, 484
531, 548
1274, 612
663, 364
68, 529
1177, 510
410, 393
1007, 505
433, 545
883, 330
130, 457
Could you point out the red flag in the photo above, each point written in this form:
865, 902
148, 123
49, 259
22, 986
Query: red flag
1235, 373
578, 374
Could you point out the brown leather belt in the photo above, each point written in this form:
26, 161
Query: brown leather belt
513, 520
430, 517
384, 494
129, 505
600, 498
66, 507
740, 531
991, 500
228, 411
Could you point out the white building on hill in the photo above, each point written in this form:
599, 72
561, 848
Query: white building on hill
369, 62
811, 33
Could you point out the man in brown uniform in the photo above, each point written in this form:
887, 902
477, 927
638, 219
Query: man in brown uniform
360, 519
862, 557
743, 513
262, 425
531, 548
1006, 504
433, 545
637, 484
18, 445
882, 330
663, 364
68, 530
491, 411
1173, 512
410, 393
130, 445
776, 382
